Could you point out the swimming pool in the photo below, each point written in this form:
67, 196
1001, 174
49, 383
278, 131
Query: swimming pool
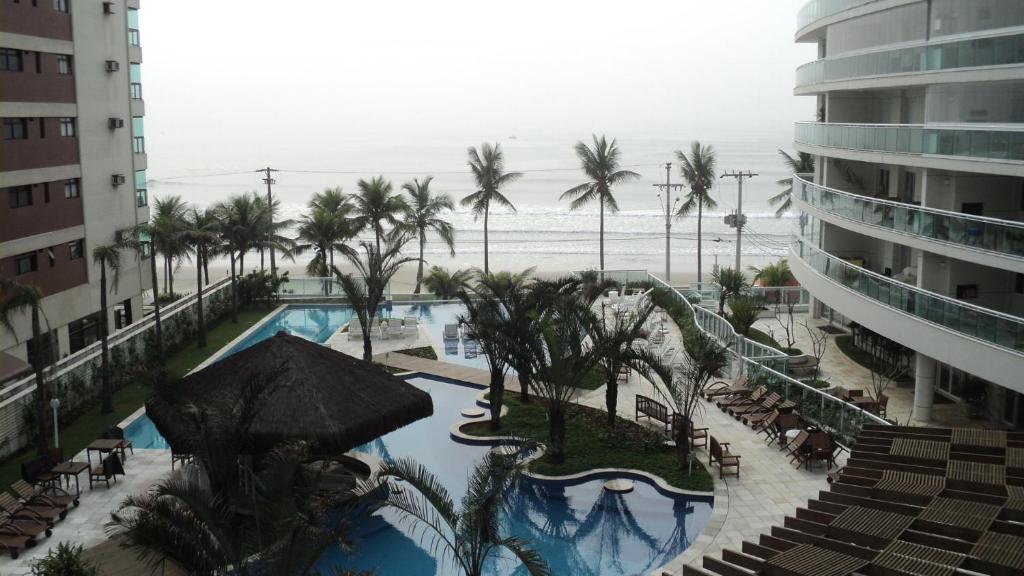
318, 322
578, 528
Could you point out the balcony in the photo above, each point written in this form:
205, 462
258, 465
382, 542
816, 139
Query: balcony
820, 9
953, 234
933, 57
983, 342
999, 147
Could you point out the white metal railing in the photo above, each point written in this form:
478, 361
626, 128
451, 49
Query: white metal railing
1003, 330
973, 232
755, 358
21, 388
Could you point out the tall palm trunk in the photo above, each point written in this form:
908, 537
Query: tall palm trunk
367, 344
611, 397
42, 392
167, 272
556, 432
106, 393
201, 321
234, 291
602, 233
419, 272
700, 222
156, 304
206, 265
487, 212
170, 276
497, 398
524, 386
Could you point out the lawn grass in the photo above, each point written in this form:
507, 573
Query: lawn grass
421, 352
75, 436
763, 338
591, 444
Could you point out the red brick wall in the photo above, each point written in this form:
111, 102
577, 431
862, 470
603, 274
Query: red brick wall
63, 275
41, 216
39, 83
38, 20
39, 152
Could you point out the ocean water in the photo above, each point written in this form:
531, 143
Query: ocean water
542, 232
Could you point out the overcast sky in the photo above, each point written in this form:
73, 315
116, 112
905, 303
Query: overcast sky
231, 83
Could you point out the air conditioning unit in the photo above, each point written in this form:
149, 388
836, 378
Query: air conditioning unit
117, 179
115, 123
113, 65
108, 8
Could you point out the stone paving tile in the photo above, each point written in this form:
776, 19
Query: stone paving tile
86, 524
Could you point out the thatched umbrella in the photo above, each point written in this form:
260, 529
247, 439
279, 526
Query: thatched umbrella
288, 388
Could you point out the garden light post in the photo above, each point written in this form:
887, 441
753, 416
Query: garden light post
55, 404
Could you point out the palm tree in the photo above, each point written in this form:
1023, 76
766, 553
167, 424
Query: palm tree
802, 164
15, 299
107, 257
202, 228
166, 223
376, 204
704, 358
335, 203
317, 231
422, 215
471, 534
729, 282
142, 239
240, 217
444, 284
269, 233
488, 166
699, 173
601, 165
617, 339
375, 270
776, 274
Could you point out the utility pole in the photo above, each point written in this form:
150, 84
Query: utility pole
268, 180
738, 219
670, 207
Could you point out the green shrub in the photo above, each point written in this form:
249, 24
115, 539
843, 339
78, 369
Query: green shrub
64, 560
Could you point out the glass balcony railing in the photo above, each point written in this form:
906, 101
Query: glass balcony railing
818, 9
973, 232
995, 143
991, 51
983, 324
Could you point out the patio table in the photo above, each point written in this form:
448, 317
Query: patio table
103, 446
67, 470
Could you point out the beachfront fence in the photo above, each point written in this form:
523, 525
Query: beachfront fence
75, 379
762, 365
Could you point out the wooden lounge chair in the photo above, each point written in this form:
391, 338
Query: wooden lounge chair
881, 404
740, 400
25, 527
39, 512
719, 452
767, 426
766, 404
723, 388
45, 495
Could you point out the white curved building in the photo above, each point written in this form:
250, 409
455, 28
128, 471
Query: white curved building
912, 225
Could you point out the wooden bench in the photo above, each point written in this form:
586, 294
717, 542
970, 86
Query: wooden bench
652, 409
719, 452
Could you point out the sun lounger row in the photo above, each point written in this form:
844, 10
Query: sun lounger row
30, 515
407, 327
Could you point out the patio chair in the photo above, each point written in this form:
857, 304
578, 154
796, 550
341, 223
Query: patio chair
693, 434
410, 326
355, 329
822, 449
385, 331
117, 433
109, 468
767, 426
451, 332
45, 495
799, 450
719, 452
37, 470
38, 512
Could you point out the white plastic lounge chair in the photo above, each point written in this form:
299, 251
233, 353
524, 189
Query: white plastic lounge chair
355, 329
451, 332
385, 331
410, 327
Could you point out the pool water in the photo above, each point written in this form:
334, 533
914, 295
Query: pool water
578, 528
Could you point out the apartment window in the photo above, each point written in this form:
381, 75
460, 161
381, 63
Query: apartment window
75, 249
25, 264
15, 129
60, 5
63, 64
19, 196
141, 195
133, 26
135, 77
138, 135
71, 189
10, 60
883, 182
67, 127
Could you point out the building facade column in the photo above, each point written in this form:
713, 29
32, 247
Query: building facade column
924, 387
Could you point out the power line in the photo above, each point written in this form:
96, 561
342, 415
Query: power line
385, 172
